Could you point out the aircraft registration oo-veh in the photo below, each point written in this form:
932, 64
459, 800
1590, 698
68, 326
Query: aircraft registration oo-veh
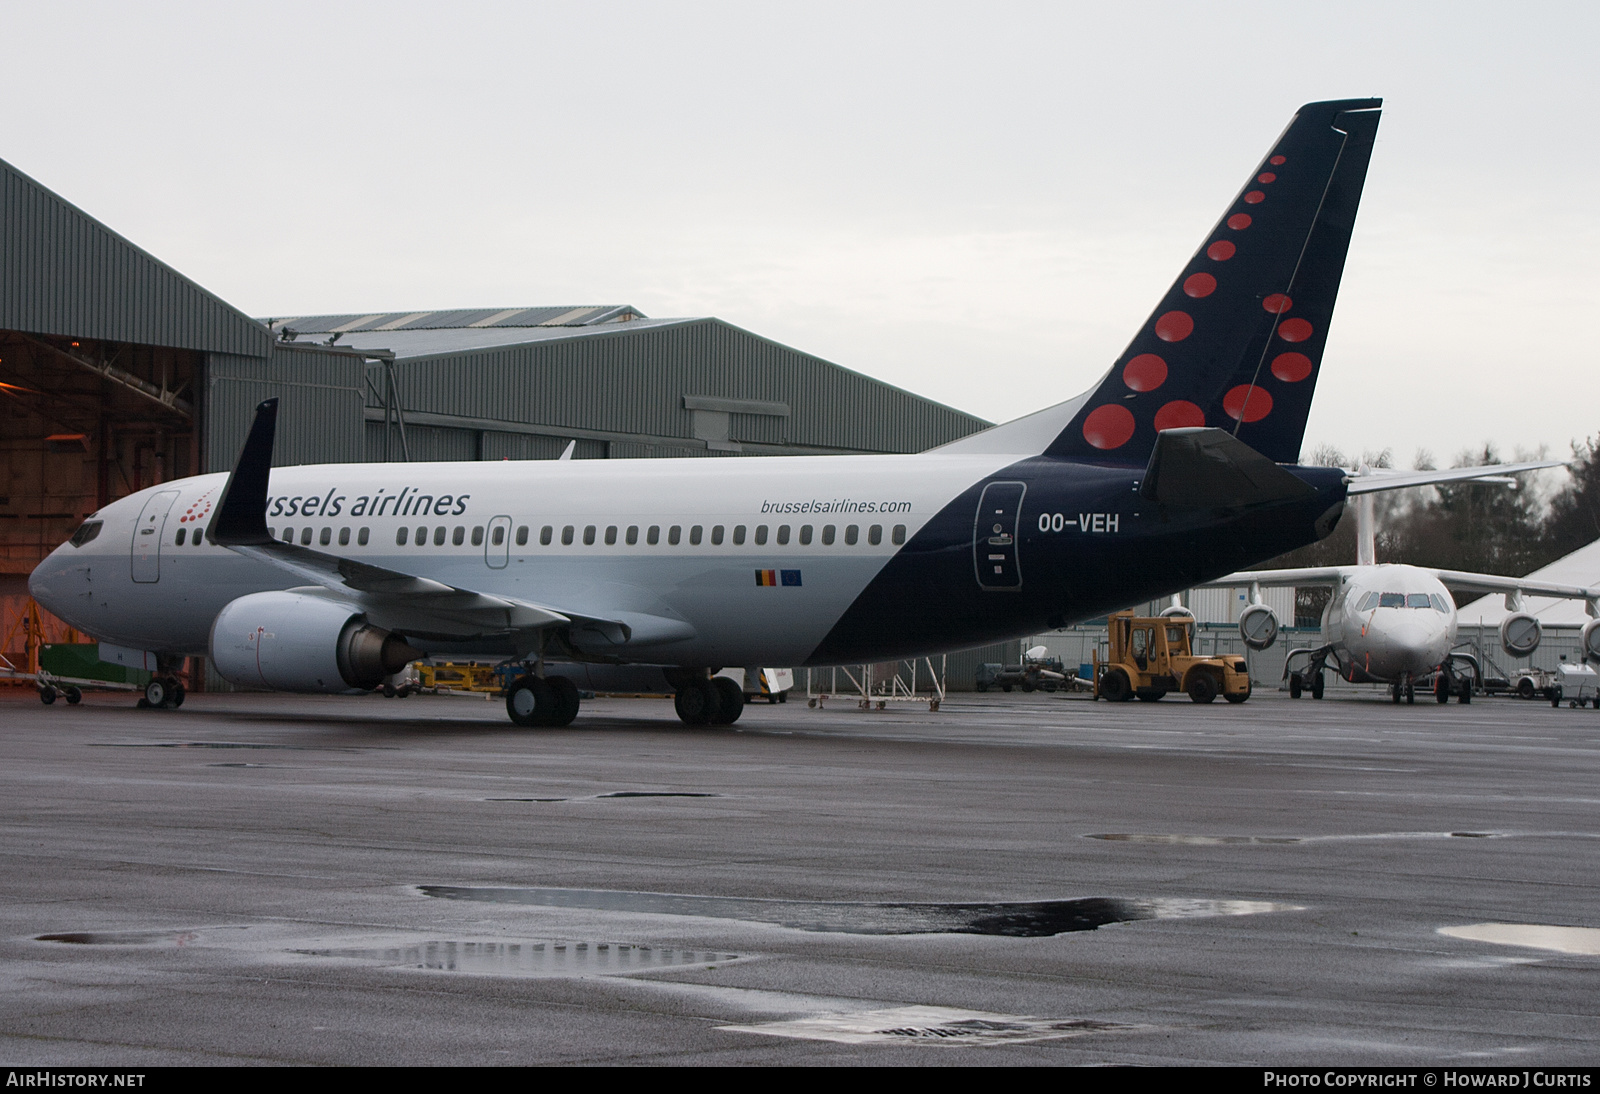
1395, 624
1178, 467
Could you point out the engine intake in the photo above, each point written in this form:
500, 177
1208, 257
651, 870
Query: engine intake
1520, 634
1258, 626
295, 642
1590, 641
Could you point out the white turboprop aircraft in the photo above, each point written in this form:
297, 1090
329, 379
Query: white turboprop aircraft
1396, 624
1176, 468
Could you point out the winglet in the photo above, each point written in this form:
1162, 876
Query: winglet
241, 518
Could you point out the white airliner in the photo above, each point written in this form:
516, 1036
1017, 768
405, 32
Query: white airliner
1396, 624
1175, 469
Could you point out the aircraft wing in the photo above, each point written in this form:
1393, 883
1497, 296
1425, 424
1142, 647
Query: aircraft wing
416, 605
1493, 583
1281, 579
1373, 481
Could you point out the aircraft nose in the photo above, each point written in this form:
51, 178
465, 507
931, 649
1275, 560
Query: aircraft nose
52, 581
1411, 642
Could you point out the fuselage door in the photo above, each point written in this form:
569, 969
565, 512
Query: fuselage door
497, 545
994, 536
148, 534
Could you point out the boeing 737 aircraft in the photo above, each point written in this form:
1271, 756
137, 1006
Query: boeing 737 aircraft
1396, 624
1175, 469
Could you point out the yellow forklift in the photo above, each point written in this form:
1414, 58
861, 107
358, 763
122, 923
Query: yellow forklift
1150, 656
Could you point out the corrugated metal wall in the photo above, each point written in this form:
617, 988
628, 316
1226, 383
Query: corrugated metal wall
320, 416
63, 272
633, 381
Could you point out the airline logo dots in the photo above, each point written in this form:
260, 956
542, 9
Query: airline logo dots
1113, 425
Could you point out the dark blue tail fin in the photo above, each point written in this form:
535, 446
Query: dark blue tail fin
1237, 341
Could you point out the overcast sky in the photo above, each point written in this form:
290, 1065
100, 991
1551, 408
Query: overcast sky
977, 202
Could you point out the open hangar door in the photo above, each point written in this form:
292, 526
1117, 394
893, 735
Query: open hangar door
85, 422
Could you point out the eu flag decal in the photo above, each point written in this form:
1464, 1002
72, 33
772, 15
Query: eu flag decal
791, 577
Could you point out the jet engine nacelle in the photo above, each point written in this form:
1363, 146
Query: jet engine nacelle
295, 642
1258, 626
1590, 641
1520, 634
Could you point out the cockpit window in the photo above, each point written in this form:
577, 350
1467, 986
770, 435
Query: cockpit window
1438, 603
1392, 600
86, 532
1418, 600
1368, 602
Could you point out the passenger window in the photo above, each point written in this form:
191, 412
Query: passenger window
851, 534
401, 536
674, 534
783, 533
178, 540
459, 536
761, 535
588, 535
477, 535
361, 538
326, 537
805, 533
654, 536
738, 535
716, 535
827, 535
344, 537
522, 535
438, 536
899, 536
633, 534
272, 533
566, 536
875, 534
545, 535
199, 534
305, 536
499, 536
611, 534
288, 535
694, 535
422, 535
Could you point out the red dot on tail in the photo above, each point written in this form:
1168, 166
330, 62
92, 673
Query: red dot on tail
1277, 303
1291, 367
1278, 161
1220, 251
1145, 372
1239, 221
1200, 284
1175, 326
1294, 330
1247, 402
1266, 177
1255, 197
1179, 414
1108, 426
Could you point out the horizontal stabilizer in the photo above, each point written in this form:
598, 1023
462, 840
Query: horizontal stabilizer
1370, 482
1204, 468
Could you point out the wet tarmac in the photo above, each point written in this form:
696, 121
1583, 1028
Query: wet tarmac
1017, 879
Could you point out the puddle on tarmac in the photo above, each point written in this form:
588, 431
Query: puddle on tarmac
656, 794
1584, 941
529, 959
219, 744
1217, 841
241, 765
180, 937
930, 1025
1020, 919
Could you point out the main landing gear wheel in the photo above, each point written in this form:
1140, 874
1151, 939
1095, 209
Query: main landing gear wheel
566, 701
1316, 686
1441, 688
1295, 685
730, 701
697, 703
1203, 688
1465, 694
530, 701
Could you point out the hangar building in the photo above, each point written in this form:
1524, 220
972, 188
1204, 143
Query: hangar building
117, 372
